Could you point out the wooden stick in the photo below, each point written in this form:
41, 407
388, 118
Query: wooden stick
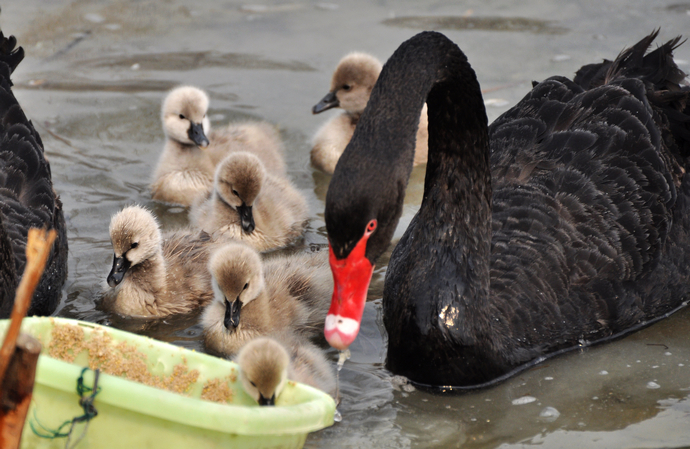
16, 391
20, 352
38, 244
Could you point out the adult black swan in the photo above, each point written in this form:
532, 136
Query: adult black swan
27, 198
564, 223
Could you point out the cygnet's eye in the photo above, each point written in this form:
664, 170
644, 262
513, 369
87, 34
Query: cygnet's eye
245, 286
234, 192
252, 383
182, 116
134, 245
347, 87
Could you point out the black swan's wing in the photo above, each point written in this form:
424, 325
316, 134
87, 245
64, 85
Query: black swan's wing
586, 191
27, 198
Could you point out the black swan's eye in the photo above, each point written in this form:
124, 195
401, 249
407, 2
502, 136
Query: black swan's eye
182, 117
245, 286
134, 245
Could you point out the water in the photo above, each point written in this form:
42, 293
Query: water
343, 356
93, 80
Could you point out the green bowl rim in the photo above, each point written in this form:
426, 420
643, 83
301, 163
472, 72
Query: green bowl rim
313, 414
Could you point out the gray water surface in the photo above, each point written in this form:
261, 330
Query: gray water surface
96, 73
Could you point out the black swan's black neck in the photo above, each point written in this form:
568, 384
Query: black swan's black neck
455, 215
434, 312
372, 174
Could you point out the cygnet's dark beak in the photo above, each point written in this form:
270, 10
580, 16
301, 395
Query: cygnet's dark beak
196, 135
247, 218
269, 401
120, 267
326, 103
232, 314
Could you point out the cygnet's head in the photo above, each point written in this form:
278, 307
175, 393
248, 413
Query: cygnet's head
237, 279
263, 369
136, 237
238, 182
184, 116
351, 85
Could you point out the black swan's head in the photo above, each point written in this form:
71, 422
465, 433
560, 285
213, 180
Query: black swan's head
359, 231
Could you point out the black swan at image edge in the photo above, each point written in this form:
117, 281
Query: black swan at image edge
563, 223
27, 198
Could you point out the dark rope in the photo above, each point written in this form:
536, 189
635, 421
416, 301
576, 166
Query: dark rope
86, 403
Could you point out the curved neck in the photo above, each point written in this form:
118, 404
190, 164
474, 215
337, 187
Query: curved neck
454, 221
373, 172
456, 208
433, 311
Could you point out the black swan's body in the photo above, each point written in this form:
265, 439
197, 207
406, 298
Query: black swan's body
565, 221
27, 198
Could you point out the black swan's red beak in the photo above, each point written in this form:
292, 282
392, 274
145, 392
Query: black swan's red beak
351, 277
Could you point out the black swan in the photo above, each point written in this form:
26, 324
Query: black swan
562, 224
27, 198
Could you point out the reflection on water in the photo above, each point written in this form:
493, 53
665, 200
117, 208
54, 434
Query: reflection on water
196, 60
80, 84
680, 7
477, 23
96, 104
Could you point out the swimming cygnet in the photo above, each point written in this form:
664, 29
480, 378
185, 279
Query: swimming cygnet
351, 85
251, 205
155, 275
286, 293
266, 365
192, 151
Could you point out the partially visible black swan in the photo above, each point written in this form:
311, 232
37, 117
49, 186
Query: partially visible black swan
27, 198
566, 221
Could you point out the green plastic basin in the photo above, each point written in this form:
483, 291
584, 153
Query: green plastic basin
134, 415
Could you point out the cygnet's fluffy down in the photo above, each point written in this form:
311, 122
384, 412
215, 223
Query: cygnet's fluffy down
351, 85
267, 363
192, 151
250, 204
152, 274
259, 138
287, 293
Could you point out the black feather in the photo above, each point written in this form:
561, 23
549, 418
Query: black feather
576, 229
27, 198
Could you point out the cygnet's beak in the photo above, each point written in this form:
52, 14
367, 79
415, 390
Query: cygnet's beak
328, 102
269, 401
232, 314
247, 218
117, 273
196, 135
